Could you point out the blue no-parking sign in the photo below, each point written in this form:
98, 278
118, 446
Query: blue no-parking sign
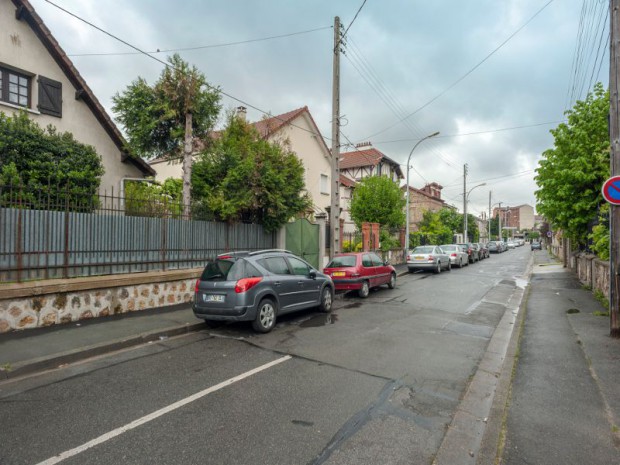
611, 190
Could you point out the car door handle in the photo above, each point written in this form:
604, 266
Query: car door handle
277, 283
300, 282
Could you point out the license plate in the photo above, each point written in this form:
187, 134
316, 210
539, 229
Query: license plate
212, 298
338, 273
418, 257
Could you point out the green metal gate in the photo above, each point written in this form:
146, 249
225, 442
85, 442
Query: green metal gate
302, 238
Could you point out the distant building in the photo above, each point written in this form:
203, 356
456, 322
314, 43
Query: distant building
426, 199
520, 217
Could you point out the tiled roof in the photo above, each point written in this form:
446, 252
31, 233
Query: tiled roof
426, 194
347, 182
366, 157
25, 11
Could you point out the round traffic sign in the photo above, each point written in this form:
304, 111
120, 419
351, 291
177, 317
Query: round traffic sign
611, 190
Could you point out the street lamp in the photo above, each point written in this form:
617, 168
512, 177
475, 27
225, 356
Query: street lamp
407, 189
465, 238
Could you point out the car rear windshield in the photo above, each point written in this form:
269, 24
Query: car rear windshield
423, 250
228, 270
345, 261
449, 247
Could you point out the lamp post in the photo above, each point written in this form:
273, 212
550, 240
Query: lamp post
407, 190
465, 237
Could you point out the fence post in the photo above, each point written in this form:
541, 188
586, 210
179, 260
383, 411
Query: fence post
18, 235
65, 270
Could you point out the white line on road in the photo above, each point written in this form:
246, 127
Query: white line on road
152, 416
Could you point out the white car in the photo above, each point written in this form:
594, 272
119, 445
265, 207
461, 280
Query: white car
510, 245
458, 257
428, 257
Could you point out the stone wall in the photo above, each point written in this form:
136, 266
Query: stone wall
591, 271
37, 304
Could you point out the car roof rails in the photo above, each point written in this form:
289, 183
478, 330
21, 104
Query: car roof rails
258, 252
240, 253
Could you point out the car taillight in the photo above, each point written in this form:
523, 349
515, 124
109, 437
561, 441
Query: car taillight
245, 284
197, 284
409, 257
453, 255
430, 257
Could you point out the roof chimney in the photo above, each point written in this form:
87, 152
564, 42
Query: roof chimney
242, 113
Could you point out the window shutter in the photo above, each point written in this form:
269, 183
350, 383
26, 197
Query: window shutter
50, 97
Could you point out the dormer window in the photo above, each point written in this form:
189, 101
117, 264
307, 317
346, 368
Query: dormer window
14, 88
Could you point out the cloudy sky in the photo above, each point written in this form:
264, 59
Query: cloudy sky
493, 76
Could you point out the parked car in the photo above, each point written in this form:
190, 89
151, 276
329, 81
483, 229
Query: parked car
428, 257
494, 247
471, 252
258, 287
458, 257
510, 244
484, 250
503, 246
536, 245
360, 272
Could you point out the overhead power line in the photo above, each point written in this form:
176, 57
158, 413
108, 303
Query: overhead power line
353, 20
464, 75
216, 89
201, 47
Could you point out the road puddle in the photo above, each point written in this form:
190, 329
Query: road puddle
319, 320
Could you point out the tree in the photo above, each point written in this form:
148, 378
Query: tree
164, 119
38, 160
434, 229
154, 199
571, 174
243, 177
378, 199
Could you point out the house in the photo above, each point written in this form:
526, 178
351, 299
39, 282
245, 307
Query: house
347, 186
37, 76
299, 128
368, 161
426, 199
518, 218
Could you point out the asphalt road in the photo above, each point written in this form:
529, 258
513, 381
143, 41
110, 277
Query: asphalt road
375, 382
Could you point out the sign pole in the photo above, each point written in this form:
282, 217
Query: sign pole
614, 135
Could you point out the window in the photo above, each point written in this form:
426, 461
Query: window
299, 268
324, 184
366, 260
376, 261
277, 265
14, 88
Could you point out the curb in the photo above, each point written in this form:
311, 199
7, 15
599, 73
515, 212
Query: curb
474, 435
36, 365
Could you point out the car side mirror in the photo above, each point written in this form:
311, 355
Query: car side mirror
386, 263
312, 274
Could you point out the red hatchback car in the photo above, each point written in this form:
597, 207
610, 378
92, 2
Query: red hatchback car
360, 272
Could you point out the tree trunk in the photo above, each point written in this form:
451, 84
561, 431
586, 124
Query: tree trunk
187, 165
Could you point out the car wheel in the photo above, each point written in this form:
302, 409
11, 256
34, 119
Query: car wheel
438, 268
410, 270
364, 291
265, 316
326, 299
449, 265
392, 282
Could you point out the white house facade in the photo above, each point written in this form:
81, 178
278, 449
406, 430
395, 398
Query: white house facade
37, 76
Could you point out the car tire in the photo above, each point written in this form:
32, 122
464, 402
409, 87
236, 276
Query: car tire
410, 270
327, 299
449, 265
437, 269
392, 281
265, 316
364, 291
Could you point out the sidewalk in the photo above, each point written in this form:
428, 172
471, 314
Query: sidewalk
564, 406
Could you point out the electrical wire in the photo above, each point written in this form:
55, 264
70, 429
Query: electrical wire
464, 75
201, 47
215, 89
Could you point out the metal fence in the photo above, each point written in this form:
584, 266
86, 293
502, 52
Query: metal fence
60, 233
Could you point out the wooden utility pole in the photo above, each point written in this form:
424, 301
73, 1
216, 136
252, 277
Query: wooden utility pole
334, 213
614, 135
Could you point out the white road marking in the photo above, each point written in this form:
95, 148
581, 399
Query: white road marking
158, 413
